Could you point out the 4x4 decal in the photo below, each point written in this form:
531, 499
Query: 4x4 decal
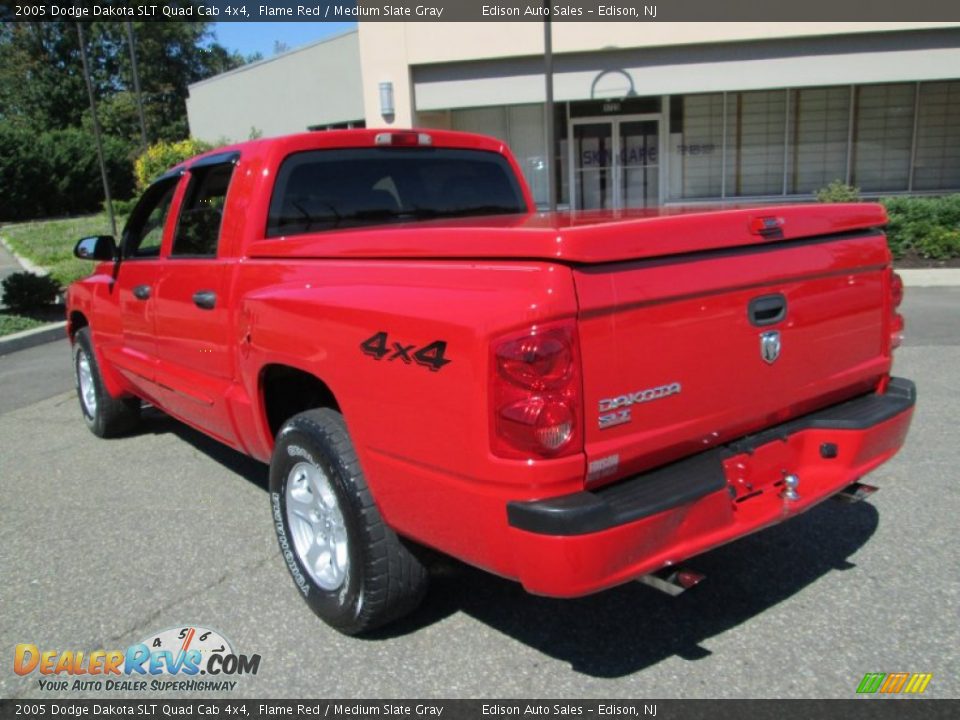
429, 356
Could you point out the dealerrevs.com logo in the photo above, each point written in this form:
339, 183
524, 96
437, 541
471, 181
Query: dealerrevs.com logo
188, 658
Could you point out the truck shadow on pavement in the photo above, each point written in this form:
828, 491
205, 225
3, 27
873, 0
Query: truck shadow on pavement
631, 627
159, 423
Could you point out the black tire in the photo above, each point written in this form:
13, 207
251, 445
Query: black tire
382, 580
108, 416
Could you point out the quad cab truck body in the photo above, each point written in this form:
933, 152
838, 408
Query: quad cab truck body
570, 400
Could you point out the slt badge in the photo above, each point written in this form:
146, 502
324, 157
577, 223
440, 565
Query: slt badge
620, 416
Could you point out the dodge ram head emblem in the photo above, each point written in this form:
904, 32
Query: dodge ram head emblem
770, 346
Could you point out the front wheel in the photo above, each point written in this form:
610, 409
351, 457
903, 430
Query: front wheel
351, 569
106, 416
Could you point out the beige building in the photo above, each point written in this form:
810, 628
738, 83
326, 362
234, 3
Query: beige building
645, 113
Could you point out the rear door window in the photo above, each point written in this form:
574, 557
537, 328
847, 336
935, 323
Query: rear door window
342, 188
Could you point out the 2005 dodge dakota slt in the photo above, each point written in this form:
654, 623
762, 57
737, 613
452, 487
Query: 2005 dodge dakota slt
571, 400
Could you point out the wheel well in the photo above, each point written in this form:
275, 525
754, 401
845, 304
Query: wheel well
77, 320
288, 391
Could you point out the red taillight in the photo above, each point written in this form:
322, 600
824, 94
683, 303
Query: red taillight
896, 289
536, 362
896, 319
536, 393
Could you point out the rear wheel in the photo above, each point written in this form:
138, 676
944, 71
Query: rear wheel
106, 416
351, 569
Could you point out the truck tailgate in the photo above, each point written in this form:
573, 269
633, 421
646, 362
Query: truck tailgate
674, 356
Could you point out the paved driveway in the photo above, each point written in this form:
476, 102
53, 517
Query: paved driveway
105, 542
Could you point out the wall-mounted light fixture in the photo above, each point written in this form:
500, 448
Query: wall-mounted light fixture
386, 99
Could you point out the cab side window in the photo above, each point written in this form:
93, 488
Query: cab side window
144, 231
198, 229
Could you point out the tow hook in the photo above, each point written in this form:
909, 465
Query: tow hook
672, 580
855, 492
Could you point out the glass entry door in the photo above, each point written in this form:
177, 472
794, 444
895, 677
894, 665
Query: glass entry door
616, 162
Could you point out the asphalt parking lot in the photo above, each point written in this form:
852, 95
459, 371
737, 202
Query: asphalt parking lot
105, 542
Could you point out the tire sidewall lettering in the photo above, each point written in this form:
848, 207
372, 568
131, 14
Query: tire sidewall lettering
292, 447
285, 550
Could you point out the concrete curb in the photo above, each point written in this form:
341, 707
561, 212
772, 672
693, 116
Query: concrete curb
24, 263
930, 277
33, 337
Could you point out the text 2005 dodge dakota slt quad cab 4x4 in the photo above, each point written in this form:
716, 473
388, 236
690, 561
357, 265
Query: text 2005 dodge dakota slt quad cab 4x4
569, 400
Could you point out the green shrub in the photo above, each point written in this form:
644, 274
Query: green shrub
122, 207
23, 290
923, 225
838, 192
939, 244
57, 173
927, 226
161, 156
75, 177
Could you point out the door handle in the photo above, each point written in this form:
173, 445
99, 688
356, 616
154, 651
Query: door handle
142, 292
767, 310
205, 299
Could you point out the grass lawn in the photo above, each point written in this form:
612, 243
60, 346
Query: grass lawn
49, 243
11, 323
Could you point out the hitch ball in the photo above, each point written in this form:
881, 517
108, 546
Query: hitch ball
790, 484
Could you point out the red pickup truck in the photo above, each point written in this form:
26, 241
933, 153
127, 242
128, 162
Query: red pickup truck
571, 400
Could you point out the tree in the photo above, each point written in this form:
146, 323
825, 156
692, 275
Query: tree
48, 162
42, 88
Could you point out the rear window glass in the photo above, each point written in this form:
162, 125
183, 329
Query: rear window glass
327, 189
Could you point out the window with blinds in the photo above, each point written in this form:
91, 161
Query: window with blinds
937, 162
819, 132
883, 136
698, 156
756, 131
521, 127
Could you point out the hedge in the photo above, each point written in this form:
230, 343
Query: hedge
57, 173
928, 227
925, 226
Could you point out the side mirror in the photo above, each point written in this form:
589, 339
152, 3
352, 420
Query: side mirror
96, 247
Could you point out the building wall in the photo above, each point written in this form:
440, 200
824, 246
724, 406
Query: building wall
697, 111
434, 66
318, 84
760, 65
734, 146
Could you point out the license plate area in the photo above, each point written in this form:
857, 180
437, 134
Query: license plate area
761, 472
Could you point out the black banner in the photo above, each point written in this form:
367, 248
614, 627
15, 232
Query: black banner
860, 709
482, 10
